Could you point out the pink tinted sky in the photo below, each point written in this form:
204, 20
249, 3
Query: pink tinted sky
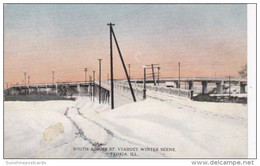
208, 40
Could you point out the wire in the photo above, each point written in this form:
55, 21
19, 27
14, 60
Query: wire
133, 13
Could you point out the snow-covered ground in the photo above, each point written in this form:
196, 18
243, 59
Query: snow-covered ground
163, 125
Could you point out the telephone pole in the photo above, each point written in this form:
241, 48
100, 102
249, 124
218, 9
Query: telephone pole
129, 65
90, 88
29, 80
153, 75
111, 66
123, 63
229, 86
99, 80
53, 72
86, 91
152, 66
144, 90
158, 76
94, 85
112, 34
86, 70
25, 78
179, 75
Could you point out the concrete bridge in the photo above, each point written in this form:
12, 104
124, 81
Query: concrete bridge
61, 88
220, 82
90, 89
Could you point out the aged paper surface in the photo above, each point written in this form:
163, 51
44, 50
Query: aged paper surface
125, 81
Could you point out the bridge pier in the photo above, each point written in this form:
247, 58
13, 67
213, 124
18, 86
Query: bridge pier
23, 91
46, 90
12, 91
204, 86
56, 89
78, 88
242, 87
190, 84
42, 90
37, 90
177, 84
28, 90
18, 91
219, 87
32, 90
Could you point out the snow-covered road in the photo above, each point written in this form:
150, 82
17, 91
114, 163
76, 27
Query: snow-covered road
158, 127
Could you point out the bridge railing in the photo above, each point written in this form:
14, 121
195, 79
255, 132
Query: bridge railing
192, 79
104, 93
138, 89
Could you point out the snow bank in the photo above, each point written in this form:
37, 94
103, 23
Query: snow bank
193, 129
178, 127
33, 128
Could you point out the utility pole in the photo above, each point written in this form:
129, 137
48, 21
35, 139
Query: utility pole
86, 70
152, 66
90, 88
29, 80
229, 85
53, 72
129, 65
153, 75
112, 34
53, 90
144, 95
123, 63
25, 78
186, 84
179, 75
94, 85
99, 80
25, 82
158, 77
111, 66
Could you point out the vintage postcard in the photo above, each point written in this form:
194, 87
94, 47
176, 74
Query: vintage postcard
125, 81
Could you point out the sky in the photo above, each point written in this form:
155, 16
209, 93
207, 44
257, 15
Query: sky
207, 39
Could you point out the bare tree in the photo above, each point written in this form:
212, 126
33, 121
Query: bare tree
243, 72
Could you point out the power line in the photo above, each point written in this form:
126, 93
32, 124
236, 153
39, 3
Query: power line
133, 13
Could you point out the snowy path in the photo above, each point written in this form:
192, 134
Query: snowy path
95, 133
